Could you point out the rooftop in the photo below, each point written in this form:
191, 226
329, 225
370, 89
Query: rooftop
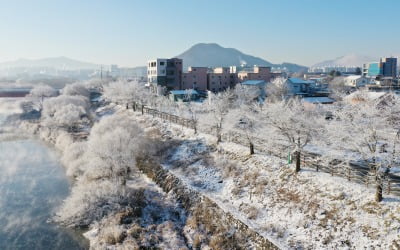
299, 81
253, 82
184, 92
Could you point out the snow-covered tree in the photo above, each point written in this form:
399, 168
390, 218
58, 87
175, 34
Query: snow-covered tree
245, 119
76, 89
277, 90
65, 111
291, 124
125, 92
218, 106
41, 92
114, 141
101, 167
245, 95
368, 131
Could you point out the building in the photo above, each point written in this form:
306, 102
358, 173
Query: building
220, 79
386, 67
356, 81
195, 78
372, 69
297, 86
164, 74
257, 73
184, 95
389, 67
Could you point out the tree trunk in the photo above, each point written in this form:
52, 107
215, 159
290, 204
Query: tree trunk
134, 106
298, 160
219, 136
379, 190
251, 148
127, 105
142, 109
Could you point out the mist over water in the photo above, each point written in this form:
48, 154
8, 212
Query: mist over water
32, 186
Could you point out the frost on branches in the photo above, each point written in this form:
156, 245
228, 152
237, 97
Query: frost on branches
101, 167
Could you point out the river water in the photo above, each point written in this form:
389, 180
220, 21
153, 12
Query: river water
32, 186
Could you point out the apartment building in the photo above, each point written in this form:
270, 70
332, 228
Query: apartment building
220, 79
195, 78
256, 73
164, 74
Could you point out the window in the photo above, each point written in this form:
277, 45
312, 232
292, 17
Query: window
161, 63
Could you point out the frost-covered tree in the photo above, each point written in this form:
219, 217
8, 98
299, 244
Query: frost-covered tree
65, 111
291, 124
101, 167
246, 95
115, 141
277, 90
218, 106
76, 89
245, 119
41, 92
368, 131
125, 92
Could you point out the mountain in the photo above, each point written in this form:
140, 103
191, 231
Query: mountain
214, 55
351, 60
62, 63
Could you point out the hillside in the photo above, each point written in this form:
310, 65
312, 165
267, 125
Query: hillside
351, 60
214, 55
63, 63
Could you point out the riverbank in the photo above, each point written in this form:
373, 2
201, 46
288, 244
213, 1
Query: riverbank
307, 210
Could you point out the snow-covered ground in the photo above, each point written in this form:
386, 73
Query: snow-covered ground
159, 222
305, 210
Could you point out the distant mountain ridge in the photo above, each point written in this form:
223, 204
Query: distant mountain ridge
214, 55
62, 62
350, 60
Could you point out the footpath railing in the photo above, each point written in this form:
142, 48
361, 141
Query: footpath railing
354, 172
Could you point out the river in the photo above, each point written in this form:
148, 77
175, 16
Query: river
32, 186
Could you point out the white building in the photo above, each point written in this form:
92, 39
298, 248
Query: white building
356, 81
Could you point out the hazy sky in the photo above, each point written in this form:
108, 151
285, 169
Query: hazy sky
131, 32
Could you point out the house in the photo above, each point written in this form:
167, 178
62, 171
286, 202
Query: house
356, 81
258, 85
297, 86
184, 95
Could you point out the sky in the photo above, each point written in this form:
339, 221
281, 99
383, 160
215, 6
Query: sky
130, 32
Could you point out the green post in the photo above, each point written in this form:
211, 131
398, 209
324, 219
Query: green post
289, 158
